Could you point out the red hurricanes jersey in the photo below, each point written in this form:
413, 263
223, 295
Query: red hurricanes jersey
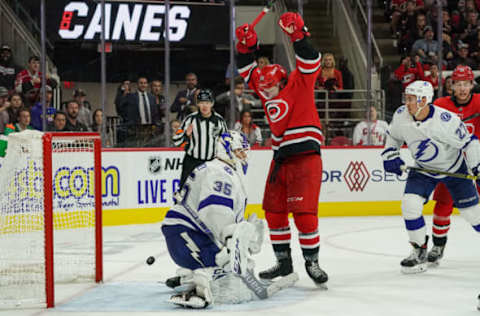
292, 115
466, 112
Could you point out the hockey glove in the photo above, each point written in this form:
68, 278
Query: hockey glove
247, 39
392, 161
476, 172
292, 24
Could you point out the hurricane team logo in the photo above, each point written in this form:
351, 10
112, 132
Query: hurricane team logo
425, 150
276, 110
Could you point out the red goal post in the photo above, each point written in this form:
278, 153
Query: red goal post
50, 187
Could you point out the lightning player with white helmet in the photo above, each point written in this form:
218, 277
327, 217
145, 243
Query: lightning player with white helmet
207, 236
437, 139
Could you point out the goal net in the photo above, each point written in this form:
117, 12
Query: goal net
50, 215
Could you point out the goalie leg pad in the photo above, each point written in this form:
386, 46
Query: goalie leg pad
238, 246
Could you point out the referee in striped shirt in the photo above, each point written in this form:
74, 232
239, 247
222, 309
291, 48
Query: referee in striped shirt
198, 133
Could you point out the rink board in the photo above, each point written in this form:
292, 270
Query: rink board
138, 185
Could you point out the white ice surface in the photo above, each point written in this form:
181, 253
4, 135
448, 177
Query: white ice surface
360, 254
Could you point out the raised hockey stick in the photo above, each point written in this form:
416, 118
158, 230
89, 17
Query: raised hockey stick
450, 174
265, 9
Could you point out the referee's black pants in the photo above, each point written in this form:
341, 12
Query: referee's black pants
189, 163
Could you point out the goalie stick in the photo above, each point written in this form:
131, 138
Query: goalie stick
264, 290
450, 174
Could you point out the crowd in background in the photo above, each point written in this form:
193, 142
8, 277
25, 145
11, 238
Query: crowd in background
141, 105
415, 30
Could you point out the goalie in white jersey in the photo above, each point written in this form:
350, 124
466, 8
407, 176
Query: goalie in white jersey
437, 139
207, 236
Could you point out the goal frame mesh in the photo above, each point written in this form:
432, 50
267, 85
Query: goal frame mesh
47, 141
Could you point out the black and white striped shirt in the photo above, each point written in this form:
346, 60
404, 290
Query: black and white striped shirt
201, 144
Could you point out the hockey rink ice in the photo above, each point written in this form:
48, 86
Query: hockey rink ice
360, 254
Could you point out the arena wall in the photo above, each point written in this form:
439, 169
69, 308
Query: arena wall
138, 184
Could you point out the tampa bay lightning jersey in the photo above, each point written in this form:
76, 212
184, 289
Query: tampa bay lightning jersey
213, 197
437, 142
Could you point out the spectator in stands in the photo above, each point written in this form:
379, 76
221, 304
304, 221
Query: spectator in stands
462, 58
23, 122
174, 126
448, 87
156, 87
16, 103
59, 122
97, 119
250, 130
408, 19
262, 61
409, 71
433, 78
398, 8
242, 101
31, 97
469, 29
31, 77
184, 102
378, 130
426, 47
84, 107
138, 108
80, 96
73, 125
413, 34
8, 69
37, 111
330, 78
4, 105
228, 74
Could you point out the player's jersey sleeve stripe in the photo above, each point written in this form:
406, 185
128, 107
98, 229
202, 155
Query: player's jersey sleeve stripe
215, 200
309, 61
308, 71
246, 71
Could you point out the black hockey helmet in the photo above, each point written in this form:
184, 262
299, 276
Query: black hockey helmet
205, 95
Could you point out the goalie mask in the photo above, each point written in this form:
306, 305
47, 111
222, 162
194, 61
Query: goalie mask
232, 147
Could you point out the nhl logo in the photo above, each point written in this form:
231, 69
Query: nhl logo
155, 165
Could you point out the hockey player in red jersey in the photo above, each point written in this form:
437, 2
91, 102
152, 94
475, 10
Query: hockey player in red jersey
295, 175
467, 106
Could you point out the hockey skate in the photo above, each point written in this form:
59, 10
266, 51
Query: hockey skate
435, 255
316, 273
417, 261
282, 268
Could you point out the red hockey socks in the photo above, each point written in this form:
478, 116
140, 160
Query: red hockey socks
307, 225
279, 233
441, 223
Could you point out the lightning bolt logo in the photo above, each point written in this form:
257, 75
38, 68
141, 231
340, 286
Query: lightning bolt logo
421, 148
194, 250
